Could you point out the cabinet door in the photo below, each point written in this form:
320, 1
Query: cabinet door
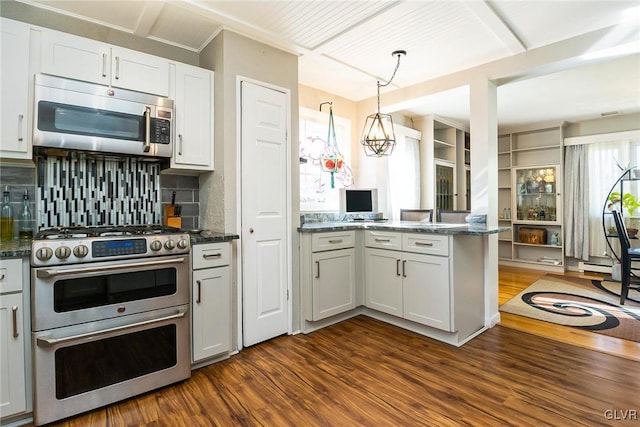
75, 57
12, 361
426, 290
211, 312
334, 282
14, 85
194, 118
139, 71
383, 281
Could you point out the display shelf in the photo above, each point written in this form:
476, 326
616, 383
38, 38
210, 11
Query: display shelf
538, 245
545, 147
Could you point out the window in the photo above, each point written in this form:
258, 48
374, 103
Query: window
316, 192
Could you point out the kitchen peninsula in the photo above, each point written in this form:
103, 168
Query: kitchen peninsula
424, 277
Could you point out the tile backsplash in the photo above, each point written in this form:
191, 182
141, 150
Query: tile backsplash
81, 190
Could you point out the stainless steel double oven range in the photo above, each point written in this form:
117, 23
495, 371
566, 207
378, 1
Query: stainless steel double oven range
109, 315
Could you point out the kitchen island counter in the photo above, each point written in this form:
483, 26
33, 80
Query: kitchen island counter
403, 226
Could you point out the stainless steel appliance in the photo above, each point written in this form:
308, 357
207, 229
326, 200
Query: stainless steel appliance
70, 114
109, 315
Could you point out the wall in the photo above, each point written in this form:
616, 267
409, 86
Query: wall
233, 56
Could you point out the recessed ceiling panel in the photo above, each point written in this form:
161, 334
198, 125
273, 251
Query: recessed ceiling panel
305, 23
194, 30
539, 23
120, 14
440, 38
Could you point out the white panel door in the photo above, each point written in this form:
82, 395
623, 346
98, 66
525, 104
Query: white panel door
264, 213
383, 280
211, 312
12, 377
334, 282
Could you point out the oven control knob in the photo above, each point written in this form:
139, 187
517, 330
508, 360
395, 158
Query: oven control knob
63, 252
44, 254
81, 251
169, 244
182, 244
156, 245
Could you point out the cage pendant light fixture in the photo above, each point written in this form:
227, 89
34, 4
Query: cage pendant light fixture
378, 136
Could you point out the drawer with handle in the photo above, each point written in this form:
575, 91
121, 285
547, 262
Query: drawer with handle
10, 275
332, 240
383, 240
432, 244
207, 255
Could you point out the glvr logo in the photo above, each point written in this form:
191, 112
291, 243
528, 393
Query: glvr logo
621, 414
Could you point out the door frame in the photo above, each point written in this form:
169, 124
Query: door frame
289, 208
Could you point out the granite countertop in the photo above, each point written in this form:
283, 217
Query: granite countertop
209, 236
404, 226
15, 249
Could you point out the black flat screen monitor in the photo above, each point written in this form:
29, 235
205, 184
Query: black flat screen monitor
363, 200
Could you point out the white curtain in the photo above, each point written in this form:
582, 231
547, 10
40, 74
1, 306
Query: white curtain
403, 176
604, 158
576, 202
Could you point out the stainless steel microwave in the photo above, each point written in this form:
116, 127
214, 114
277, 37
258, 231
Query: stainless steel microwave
75, 115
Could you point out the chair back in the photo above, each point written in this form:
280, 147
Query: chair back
453, 217
422, 215
623, 236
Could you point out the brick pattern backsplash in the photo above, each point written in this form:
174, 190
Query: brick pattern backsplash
82, 190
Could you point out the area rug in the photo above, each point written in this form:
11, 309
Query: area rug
592, 305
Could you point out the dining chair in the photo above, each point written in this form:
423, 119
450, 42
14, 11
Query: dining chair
422, 215
628, 255
452, 217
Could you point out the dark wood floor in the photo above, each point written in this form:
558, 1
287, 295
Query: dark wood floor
363, 372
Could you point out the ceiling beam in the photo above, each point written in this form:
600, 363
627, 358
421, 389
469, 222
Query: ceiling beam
495, 24
148, 17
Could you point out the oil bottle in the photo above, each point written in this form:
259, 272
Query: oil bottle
25, 230
6, 217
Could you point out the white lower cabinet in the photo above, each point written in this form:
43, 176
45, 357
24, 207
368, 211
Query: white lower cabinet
333, 285
328, 272
414, 286
210, 301
13, 398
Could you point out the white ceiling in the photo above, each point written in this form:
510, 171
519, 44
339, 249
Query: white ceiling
345, 46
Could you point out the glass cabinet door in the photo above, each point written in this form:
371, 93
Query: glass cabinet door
445, 186
537, 194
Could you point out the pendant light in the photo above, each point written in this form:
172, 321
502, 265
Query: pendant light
378, 136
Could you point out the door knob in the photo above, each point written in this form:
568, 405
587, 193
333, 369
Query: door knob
251, 230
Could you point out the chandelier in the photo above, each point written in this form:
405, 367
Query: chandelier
378, 136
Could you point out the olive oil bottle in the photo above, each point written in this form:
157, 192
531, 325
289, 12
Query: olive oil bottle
25, 231
6, 217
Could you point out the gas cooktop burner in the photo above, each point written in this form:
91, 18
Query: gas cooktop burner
72, 232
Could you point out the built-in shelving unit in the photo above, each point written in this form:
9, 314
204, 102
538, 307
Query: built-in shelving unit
530, 196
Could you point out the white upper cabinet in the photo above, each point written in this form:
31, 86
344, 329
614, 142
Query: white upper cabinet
14, 84
88, 60
193, 94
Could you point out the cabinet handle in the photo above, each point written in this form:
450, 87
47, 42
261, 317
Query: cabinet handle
335, 241
423, 244
104, 65
404, 268
179, 144
146, 145
382, 240
397, 267
199, 292
20, 119
317, 269
212, 256
2, 276
15, 321
117, 68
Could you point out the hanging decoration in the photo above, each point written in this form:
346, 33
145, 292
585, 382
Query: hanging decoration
331, 160
378, 136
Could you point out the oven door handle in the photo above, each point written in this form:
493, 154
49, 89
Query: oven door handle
44, 341
43, 274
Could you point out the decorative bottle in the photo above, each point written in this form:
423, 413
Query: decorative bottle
25, 232
6, 217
